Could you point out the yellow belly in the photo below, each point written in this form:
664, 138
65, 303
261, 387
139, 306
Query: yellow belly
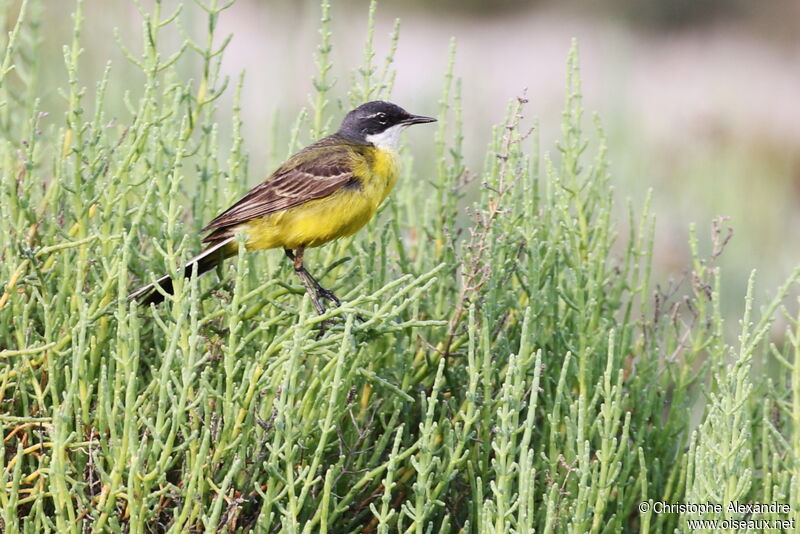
341, 214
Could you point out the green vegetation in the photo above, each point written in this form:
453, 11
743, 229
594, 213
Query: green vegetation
514, 369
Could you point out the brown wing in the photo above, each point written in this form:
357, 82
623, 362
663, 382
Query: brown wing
315, 172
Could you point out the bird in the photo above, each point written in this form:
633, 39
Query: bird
328, 190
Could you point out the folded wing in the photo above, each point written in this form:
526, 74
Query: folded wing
313, 173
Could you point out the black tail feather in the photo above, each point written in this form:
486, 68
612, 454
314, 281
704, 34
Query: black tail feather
205, 261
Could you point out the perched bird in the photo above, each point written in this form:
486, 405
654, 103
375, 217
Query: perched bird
330, 189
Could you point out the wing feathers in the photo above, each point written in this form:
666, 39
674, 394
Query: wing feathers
313, 173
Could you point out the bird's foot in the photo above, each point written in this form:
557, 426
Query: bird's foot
323, 326
327, 294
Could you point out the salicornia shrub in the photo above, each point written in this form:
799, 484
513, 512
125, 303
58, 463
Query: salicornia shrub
502, 361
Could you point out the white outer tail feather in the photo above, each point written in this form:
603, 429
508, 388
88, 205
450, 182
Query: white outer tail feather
187, 270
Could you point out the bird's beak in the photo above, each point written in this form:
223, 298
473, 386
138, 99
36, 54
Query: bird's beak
417, 119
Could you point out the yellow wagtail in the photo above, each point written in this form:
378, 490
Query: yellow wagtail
330, 189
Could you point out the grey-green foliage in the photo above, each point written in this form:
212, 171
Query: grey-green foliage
514, 370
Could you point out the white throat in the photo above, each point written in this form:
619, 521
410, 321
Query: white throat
388, 139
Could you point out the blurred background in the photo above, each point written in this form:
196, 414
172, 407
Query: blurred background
700, 98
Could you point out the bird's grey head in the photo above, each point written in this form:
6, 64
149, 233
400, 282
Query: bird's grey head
379, 123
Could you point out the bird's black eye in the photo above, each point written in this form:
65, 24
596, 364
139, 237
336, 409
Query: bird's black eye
381, 117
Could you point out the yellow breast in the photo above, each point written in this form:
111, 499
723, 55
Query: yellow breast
383, 171
341, 214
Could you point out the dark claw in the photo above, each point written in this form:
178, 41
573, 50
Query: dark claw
323, 327
328, 295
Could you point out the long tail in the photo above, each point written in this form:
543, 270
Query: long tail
215, 254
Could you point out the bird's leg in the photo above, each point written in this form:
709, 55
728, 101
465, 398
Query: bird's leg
321, 291
306, 279
314, 290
